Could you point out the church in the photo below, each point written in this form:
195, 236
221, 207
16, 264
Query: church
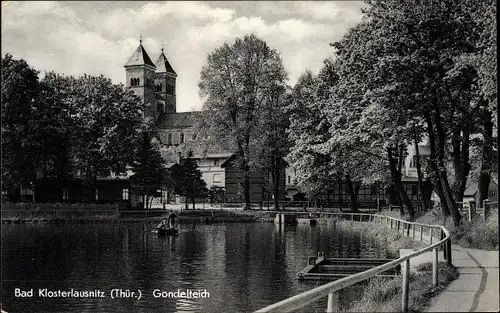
155, 84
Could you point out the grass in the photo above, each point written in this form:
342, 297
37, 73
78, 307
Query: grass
384, 294
391, 238
478, 233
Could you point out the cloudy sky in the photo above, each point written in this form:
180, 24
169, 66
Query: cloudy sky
99, 37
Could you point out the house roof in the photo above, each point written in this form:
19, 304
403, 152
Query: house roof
163, 66
140, 57
177, 120
213, 156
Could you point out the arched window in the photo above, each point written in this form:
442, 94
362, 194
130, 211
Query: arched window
182, 138
138, 81
131, 82
169, 139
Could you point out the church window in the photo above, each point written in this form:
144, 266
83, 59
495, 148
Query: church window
158, 88
159, 107
169, 139
193, 137
182, 138
135, 82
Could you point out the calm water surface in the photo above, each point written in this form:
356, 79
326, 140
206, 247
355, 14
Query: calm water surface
244, 267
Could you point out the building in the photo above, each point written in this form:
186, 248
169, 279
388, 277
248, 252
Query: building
155, 84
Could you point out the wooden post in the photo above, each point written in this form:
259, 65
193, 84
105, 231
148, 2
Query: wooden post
435, 267
431, 229
448, 252
443, 246
486, 209
408, 230
331, 305
352, 217
397, 225
421, 232
391, 224
361, 217
413, 230
406, 285
469, 211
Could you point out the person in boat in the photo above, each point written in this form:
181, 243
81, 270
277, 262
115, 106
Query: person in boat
172, 219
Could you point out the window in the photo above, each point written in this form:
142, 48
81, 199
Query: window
159, 107
135, 82
125, 194
181, 138
170, 89
97, 194
65, 194
217, 178
289, 179
169, 139
193, 136
216, 162
158, 88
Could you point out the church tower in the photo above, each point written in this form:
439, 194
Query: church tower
140, 75
165, 89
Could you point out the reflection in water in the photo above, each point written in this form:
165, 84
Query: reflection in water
243, 266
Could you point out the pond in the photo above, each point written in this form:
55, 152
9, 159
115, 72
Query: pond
242, 267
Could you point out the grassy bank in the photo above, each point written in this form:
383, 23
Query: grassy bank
478, 233
384, 294
392, 239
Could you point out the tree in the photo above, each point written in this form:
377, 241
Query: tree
20, 89
108, 122
236, 83
150, 173
189, 181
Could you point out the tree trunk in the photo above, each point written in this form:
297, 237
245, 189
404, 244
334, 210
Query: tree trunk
276, 181
443, 177
193, 201
486, 157
396, 180
460, 163
434, 164
351, 188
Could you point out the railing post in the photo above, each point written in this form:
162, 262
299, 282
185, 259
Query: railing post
421, 232
391, 223
486, 209
406, 285
408, 229
469, 211
397, 225
443, 246
332, 300
413, 230
431, 231
448, 252
352, 217
435, 267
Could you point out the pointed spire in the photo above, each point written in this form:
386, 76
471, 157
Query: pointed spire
140, 56
162, 64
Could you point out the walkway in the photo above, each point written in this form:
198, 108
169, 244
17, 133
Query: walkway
476, 289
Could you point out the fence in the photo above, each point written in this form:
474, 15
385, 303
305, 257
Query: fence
300, 300
469, 209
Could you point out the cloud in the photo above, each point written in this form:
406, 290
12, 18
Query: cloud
98, 38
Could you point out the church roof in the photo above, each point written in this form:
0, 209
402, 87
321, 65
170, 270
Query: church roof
163, 66
140, 57
177, 120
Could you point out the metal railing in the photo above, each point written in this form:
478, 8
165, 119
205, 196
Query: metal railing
329, 289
